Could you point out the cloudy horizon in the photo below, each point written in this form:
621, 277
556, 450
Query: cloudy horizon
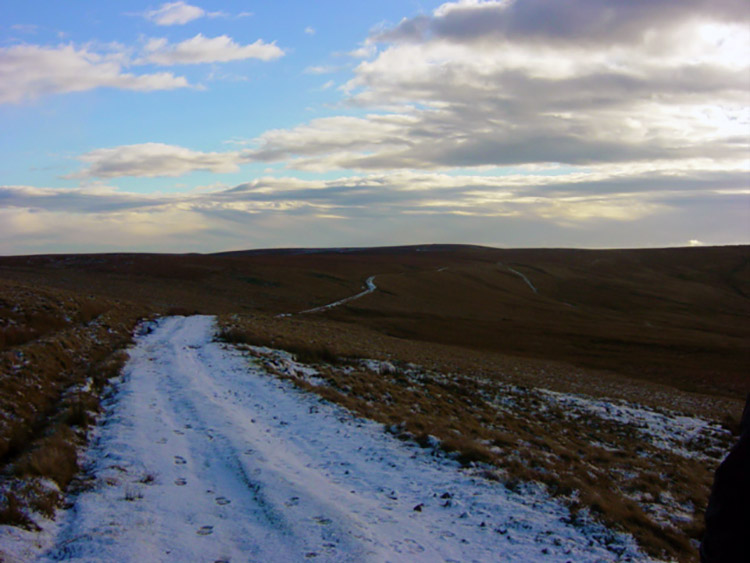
212, 126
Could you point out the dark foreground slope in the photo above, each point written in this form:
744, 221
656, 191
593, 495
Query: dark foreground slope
676, 316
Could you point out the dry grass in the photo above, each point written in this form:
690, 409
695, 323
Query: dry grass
54, 457
675, 316
50, 387
13, 513
304, 352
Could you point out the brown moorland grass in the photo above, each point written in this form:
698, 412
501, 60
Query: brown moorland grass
50, 388
678, 316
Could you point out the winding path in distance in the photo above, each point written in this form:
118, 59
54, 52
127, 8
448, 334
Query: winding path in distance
369, 288
527, 280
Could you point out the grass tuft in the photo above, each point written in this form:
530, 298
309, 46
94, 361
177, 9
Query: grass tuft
13, 514
54, 458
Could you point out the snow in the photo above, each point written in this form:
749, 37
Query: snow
204, 456
527, 280
687, 436
369, 288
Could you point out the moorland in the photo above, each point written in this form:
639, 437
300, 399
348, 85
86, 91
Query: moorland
663, 328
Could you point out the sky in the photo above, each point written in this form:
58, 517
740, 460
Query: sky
205, 126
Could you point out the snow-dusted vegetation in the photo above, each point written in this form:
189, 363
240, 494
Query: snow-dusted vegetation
635, 467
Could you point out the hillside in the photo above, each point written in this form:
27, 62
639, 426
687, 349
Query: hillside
674, 316
613, 377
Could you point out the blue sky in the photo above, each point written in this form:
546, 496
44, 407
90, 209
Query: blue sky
207, 126
232, 100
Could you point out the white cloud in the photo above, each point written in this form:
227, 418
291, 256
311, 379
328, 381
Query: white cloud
499, 83
174, 13
322, 69
574, 208
364, 51
201, 49
154, 159
310, 30
25, 28
30, 71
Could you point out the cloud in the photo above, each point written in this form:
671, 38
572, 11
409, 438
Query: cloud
174, 13
577, 22
201, 49
499, 83
310, 30
30, 71
154, 159
601, 207
25, 28
499, 122
83, 200
322, 69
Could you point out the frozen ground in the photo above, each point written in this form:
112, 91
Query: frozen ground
203, 456
686, 436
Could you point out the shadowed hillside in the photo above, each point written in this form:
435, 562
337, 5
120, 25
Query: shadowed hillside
676, 316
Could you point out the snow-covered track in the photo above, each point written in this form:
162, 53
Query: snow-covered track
369, 288
520, 275
204, 456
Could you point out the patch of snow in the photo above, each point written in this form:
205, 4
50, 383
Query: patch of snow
283, 362
665, 430
527, 280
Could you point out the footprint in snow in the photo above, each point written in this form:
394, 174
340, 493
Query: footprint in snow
180, 481
329, 547
179, 460
205, 531
323, 521
222, 501
179, 432
161, 441
407, 546
294, 501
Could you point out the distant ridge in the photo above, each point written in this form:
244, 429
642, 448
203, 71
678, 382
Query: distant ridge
355, 249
